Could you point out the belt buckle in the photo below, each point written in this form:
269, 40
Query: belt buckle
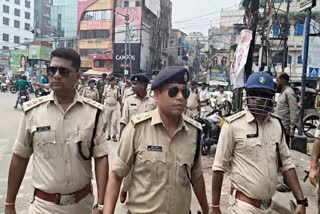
265, 204
67, 199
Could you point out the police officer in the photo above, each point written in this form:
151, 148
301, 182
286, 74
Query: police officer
138, 103
160, 147
193, 104
100, 86
204, 98
90, 91
251, 143
112, 98
82, 84
63, 131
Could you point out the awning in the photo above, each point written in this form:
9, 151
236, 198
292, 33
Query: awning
92, 72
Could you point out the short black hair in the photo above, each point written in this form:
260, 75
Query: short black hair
284, 76
68, 54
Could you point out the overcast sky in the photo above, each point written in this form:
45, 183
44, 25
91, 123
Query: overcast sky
185, 13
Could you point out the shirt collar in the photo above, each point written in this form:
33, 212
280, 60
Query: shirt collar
249, 117
156, 119
77, 98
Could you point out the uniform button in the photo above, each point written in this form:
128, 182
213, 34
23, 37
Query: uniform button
68, 182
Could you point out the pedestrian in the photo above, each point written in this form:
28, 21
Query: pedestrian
100, 86
90, 91
63, 131
314, 164
140, 102
287, 110
82, 84
193, 103
22, 87
204, 99
161, 148
127, 91
244, 139
112, 99
222, 100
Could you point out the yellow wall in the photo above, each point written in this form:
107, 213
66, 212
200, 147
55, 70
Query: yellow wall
86, 63
94, 44
101, 5
105, 24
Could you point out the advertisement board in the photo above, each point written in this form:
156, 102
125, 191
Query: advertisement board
119, 59
134, 25
39, 52
18, 61
153, 6
307, 4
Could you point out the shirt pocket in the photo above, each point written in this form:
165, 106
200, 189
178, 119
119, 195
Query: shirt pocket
254, 149
184, 168
78, 143
45, 144
155, 166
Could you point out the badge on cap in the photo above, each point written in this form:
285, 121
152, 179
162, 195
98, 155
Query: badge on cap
262, 80
185, 77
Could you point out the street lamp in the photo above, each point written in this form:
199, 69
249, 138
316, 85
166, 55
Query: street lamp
127, 41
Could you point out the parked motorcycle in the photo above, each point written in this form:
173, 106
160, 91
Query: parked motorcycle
42, 92
12, 87
24, 97
4, 87
211, 128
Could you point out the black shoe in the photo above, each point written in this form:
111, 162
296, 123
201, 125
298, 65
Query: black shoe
114, 138
283, 188
109, 138
15, 107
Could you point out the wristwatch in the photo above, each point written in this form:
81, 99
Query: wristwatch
99, 207
303, 202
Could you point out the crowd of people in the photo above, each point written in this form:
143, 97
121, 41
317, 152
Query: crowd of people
158, 161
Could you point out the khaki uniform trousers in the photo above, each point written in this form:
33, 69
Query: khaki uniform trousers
112, 114
39, 206
239, 207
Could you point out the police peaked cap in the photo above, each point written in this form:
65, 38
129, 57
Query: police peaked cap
91, 81
111, 78
171, 74
142, 78
260, 81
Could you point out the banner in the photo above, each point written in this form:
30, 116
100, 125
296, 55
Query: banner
314, 50
240, 59
39, 52
134, 24
18, 61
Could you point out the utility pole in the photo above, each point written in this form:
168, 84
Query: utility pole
284, 29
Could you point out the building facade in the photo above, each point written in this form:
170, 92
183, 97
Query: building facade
16, 23
42, 19
95, 34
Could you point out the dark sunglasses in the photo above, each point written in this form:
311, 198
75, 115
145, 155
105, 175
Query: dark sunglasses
172, 92
64, 72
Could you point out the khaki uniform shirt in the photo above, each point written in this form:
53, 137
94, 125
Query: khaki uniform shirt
51, 135
204, 96
111, 95
161, 166
91, 93
220, 96
127, 93
287, 108
133, 105
254, 161
193, 100
81, 86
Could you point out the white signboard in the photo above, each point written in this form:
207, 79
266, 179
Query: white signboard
314, 49
306, 4
240, 59
153, 6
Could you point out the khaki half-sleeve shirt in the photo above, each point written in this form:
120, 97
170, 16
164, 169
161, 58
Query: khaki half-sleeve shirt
162, 167
52, 136
251, 152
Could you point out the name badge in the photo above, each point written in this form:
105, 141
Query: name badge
252, 136
133, 104
155, 148
43, 128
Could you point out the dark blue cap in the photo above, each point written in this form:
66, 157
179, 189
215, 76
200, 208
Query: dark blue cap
142, 78
111, 78
171, 74
193, 82
91, 81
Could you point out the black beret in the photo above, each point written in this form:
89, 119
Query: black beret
91, 81
171, 74
142, 78
104, 74
111, 78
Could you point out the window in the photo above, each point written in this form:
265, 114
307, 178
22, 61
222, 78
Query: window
5, 21
87, 52
16, 39
27, 4
94, 34
5, 8
276, 29
138, 4
289, 60
300, 59
215, 61
126, 4
17, 2
26, 26
16, 24
16, 12
224, 61
5, 37
298, 29
27, 15
97, 15
5, 48
99, 63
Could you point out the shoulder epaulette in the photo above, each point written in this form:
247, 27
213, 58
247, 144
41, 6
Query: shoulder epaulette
140, 118
33, 103
234, 117
93, 103
192, 122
